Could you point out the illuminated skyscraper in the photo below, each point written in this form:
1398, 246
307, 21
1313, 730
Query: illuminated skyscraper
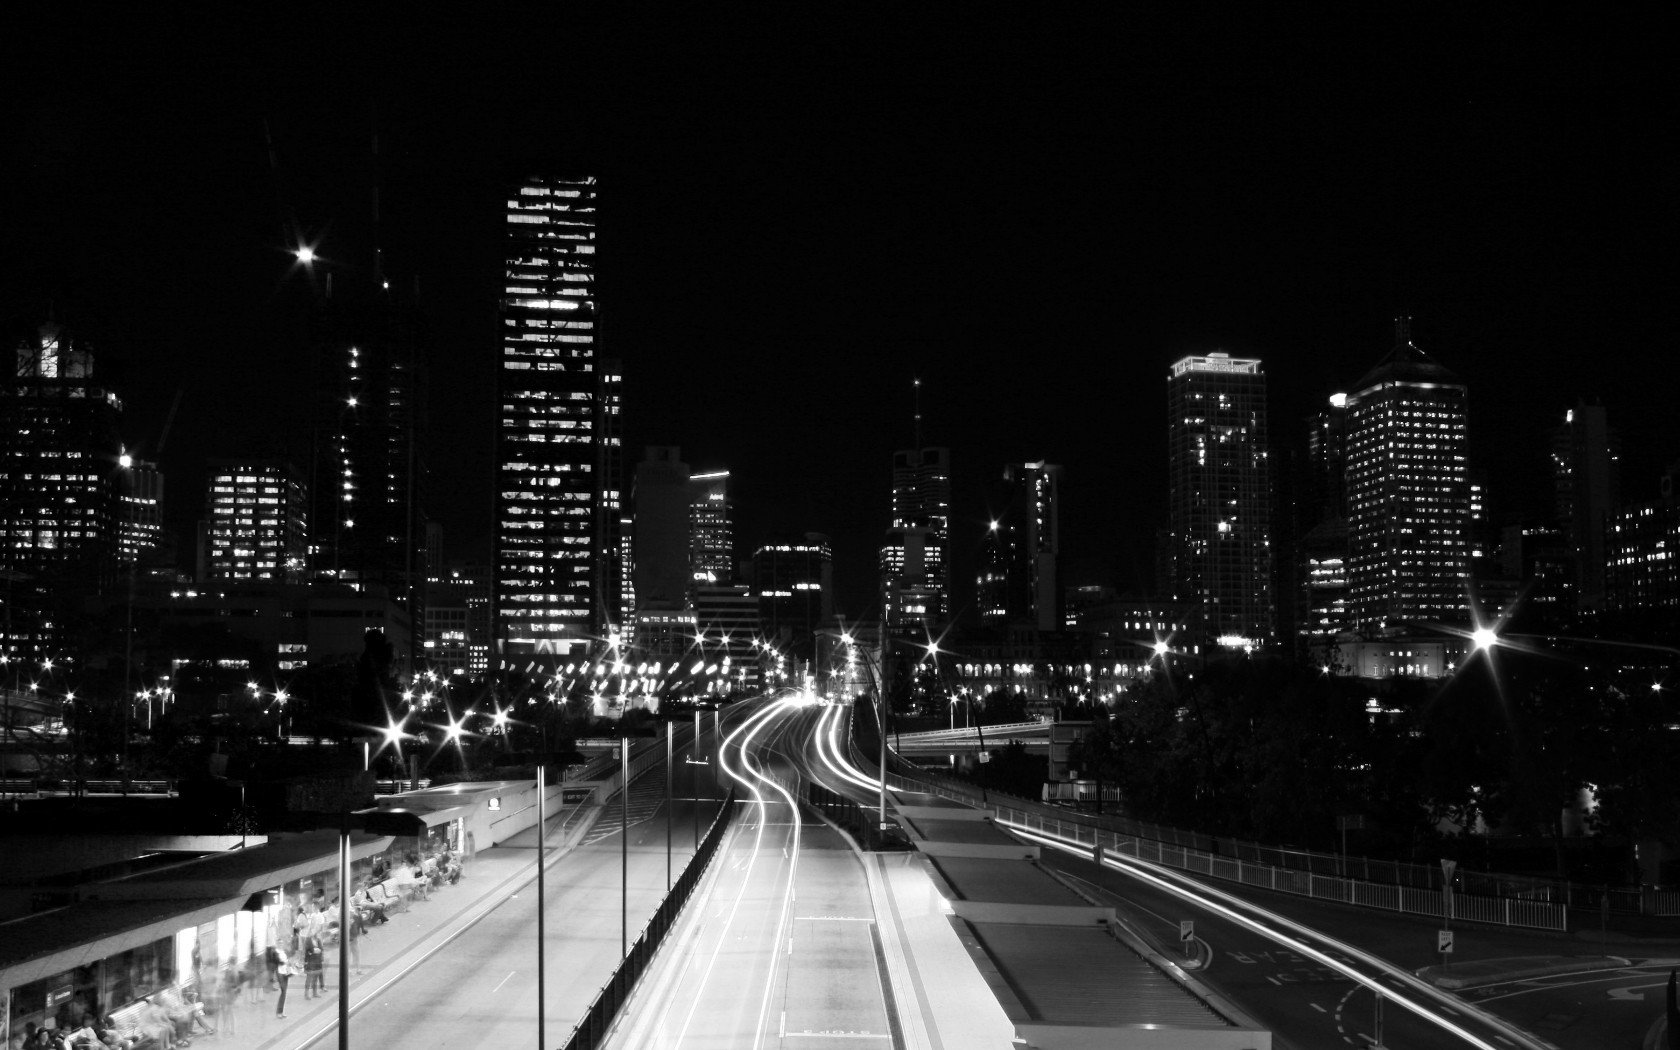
915, 561
711, 534
1408, 491
139, 509
557, 551
1018, 578
256, 522
1219, 496
59, 463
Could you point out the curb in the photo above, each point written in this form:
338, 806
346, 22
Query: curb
1434, 976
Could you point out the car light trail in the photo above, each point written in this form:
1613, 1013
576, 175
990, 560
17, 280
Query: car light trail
751, 777
828, 742
1205, 896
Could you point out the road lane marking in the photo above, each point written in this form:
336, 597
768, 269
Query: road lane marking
499, 984
1319, 1008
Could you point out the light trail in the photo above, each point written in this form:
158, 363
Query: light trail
1233, 909
829, 741
750, 726
788, 895
751, 776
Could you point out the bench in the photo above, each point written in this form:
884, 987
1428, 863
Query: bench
127, 1022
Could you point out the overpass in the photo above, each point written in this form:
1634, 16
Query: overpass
1034, 735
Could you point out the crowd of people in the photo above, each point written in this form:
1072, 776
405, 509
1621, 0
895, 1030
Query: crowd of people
300, 930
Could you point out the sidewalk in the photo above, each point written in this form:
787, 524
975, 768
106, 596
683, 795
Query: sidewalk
385, 953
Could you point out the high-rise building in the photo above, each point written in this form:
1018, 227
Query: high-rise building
794, 581
664, 545
915, 561
1018, 579
1585, 472
711, 535
558, 506
256, 522
366, 481
139, 509
59, 465
1408, 491
1219, 500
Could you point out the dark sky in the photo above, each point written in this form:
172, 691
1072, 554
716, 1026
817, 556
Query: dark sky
1035, 214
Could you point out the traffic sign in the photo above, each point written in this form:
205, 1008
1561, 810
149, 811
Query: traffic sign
1444, 941
985, 756
1187, 930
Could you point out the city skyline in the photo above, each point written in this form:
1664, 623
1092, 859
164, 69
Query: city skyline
1342, 197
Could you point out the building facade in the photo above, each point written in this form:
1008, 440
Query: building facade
1219, 496
1586, 464
557, 549
711, 531
256, 515
1018, 579
794, 582
59, 468
1408, 492
1643, 542
916, 558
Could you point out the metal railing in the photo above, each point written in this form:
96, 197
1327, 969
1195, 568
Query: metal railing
1407, 900
598, 1019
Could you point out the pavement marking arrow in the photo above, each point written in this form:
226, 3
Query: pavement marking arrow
1630, 994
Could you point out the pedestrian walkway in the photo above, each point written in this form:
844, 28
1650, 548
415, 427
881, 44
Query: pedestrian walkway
647, 795
384, 953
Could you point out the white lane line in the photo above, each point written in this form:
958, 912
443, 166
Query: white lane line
499, 984
1319, 1008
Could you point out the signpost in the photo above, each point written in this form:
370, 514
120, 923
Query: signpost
1444, 944
1187, 934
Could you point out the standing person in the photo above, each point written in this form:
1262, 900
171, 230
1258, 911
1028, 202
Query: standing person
314, 981
283, 975
226, 1016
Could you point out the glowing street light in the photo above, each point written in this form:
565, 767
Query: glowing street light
305, 254
1484, 637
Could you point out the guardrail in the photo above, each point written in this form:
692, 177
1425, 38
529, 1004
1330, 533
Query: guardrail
1502, 911
598, 1019
100, 786
1425, 878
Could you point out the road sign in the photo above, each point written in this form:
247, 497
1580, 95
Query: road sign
1448, 867
1444, 941
985, 756
1187, 930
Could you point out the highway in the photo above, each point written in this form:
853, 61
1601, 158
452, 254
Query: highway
796, 940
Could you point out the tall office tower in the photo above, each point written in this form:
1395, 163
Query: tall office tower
915, 561
1586, 456
663, 545
1325, 494
1018, 580
711, 534
59, 464
367, 479
139, 509
558, 447
1408, 491
1219, 500
256, 522
794, 581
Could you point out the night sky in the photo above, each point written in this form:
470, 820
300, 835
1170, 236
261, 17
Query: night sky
1034, 214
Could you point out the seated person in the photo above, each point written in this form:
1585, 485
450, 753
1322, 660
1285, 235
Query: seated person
84, 1036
